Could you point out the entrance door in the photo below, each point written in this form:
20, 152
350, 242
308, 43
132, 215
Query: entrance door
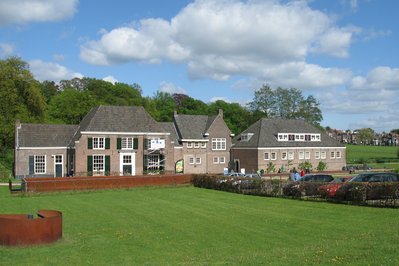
127, 164
58, 169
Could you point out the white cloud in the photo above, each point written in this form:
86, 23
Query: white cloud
379, 78
110, 79
51, 71
267, 40
6, 49
24, 11
171, 88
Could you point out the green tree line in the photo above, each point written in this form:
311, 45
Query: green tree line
67, 102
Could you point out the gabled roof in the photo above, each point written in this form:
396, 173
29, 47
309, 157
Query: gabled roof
193, 126
265, 133
170, 128
120, 119
44, 135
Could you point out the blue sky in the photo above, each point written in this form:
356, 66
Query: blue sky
343, 52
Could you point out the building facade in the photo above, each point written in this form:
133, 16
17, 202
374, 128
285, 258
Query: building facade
282, 144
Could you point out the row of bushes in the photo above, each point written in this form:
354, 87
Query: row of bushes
375, 194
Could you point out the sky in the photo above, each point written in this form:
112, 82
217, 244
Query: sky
342, 52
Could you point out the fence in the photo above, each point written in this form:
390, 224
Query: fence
38, 184
384, 194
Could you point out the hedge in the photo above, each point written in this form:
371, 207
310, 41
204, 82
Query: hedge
373, 194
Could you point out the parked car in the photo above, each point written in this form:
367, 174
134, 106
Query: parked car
361, 188
331, 188
253, 175
376, 177
316, 178
237, 174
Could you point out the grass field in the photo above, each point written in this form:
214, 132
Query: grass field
371, 153
192, 226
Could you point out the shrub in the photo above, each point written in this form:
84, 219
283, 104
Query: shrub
321, 166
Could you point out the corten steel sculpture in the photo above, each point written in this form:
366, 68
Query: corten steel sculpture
22, 229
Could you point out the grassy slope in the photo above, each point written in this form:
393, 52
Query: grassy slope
356, 152
196, 226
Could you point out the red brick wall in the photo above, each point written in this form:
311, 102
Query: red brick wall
101, 182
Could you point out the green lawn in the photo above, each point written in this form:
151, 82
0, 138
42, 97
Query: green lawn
354, 153
187, 225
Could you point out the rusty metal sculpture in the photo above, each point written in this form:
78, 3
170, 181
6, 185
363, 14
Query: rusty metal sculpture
22, 229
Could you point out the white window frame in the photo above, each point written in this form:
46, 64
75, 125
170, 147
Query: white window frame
266, 156
307, 155
197, 160
338, 155
301, 155
222, 160
332, 154
98, 143
196, 145
273, 156
40, 164
98, 166
191, 160
215, 160
284, 156
323, 155
291, 155
189, 145
203, 145
127, 143
218, 144
317, 155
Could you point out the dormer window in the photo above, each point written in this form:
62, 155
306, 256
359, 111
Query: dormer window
246, 136
298, 137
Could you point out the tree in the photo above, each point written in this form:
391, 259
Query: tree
163, 106
21, 99
365, 135
70, 106
264, 101
287, 104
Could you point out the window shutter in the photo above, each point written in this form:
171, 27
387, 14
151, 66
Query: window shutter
107, 165
89, 143
31, 165
119, 143
107, 143
89, 165
145, 144
145, 161
135, 143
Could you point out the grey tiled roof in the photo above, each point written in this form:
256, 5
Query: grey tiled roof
44, 135
192, 126
170, 128
265, 134
120, 119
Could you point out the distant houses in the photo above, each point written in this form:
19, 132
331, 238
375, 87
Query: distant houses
350, 137
126, 140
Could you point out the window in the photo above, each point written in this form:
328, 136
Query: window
153, 162
332, 155
222, 160
127, 159
198, 160
301, 155
219, 144
127, 143
191, 160
215, 160
98, 143
58, 159
266, 157
189, 144
203, 145
40, 164
273, 156
323, 155
196, 145
98, 163
219, 160
307, 155
290, 155
283, 156
317, 155
338, 155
